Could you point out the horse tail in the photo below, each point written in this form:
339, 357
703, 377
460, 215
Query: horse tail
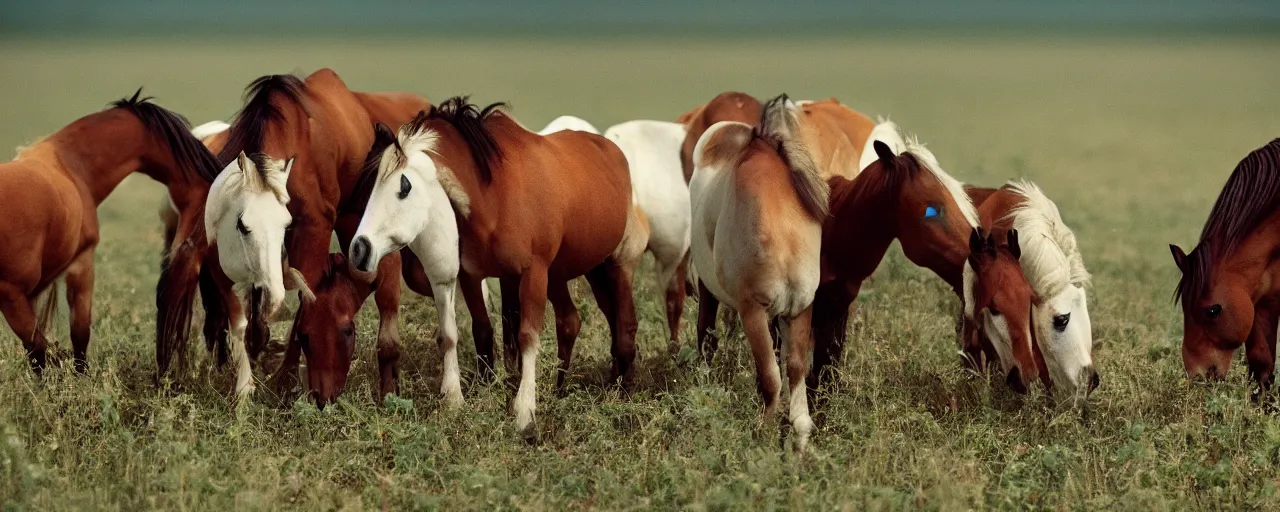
47, 306
779, 125
175, 296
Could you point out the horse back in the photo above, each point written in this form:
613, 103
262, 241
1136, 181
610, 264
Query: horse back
835, 135
728, 106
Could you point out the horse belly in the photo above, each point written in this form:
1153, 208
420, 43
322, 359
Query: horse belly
38, 242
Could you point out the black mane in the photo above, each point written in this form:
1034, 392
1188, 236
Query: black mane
190, 155
383, 138
1251, 194
469, 120
249, 127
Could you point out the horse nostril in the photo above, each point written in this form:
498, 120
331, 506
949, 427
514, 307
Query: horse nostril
1015, 381
361, 251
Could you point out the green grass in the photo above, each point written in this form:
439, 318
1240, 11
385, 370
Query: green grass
1132, 137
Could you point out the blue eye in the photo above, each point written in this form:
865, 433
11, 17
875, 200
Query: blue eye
930, 211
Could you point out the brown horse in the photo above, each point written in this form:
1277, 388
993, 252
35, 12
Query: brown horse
1230, 286
999, 298
835, 135
533, 211
327, 129
758, 205
727, 106
52, 191
904, 194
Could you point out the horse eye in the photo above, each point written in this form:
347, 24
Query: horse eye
405, 187
349, 331
240, 227
930, 212
1213, 311
1060, 322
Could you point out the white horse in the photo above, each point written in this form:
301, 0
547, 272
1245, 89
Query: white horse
758, 204
246, 215
1052, 263
408, 206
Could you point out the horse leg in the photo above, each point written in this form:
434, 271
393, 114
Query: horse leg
1260, 349
215, 315
611, 284
831, 308
387, 298
481, 325
799, 340
708, 306
447, 340
675, 302
20, 314
510, 322
80, 303
568, 325
755, 322
240, 356
533, 303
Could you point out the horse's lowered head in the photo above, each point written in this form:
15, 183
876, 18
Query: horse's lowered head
246, 216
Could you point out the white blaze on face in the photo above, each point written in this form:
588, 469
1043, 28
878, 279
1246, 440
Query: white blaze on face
1066, 337
997, 331
247, 215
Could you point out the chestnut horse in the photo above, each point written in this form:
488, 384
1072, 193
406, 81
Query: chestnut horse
534, 211
758, 205
1230, 289
1054, 269
52, 191
902, 194
727, 106
835, 135
328, 129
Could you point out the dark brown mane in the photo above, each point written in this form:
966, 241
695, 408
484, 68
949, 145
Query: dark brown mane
469, 120
250, 125
190, 155
383, 138
1251, 194
865, 186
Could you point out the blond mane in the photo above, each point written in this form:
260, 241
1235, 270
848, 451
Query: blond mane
1050, 258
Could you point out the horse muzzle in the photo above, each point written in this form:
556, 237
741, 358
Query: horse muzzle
362, 254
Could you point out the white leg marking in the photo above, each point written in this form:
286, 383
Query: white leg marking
526, 399
451, 377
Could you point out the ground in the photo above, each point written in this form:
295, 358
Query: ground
1132, 135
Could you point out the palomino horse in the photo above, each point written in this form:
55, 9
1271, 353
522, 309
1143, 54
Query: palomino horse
727, 106
835, 135
328, 129
1229, 290
534, 211
52, 191
758, 204
902, 194
1054, 268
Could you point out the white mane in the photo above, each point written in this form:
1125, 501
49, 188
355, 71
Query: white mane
1050, 258
563, 123
890, 133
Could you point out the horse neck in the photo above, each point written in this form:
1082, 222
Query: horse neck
482, 197
854, 236
101, 150
1257, 259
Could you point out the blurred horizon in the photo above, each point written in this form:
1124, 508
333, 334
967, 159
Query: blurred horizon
612, 17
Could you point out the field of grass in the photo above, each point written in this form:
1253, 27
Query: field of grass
1132, 137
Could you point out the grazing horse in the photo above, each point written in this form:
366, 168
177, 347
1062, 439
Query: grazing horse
52, 191
998, 299
327, 129
1230, 290
835, 135
1054, 268
727, 106
535, 211
904, 194
758, 205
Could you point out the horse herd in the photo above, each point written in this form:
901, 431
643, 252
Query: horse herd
777, 210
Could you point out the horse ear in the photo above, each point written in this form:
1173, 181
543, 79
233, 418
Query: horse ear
293, 280
243, 163
288, 167
991, 243
1014, 248
1179, 257
975, 241
884, 152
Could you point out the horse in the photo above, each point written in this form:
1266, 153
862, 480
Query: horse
53, 188
535, 211
998, 299
327, 129
1229, 292
726, 106
758, 205
568, 123
836, 136
1054, 268
904, 194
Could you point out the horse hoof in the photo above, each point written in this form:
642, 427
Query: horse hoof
529, 432
453, 399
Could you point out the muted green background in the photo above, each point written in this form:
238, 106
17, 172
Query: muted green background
1132, 135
